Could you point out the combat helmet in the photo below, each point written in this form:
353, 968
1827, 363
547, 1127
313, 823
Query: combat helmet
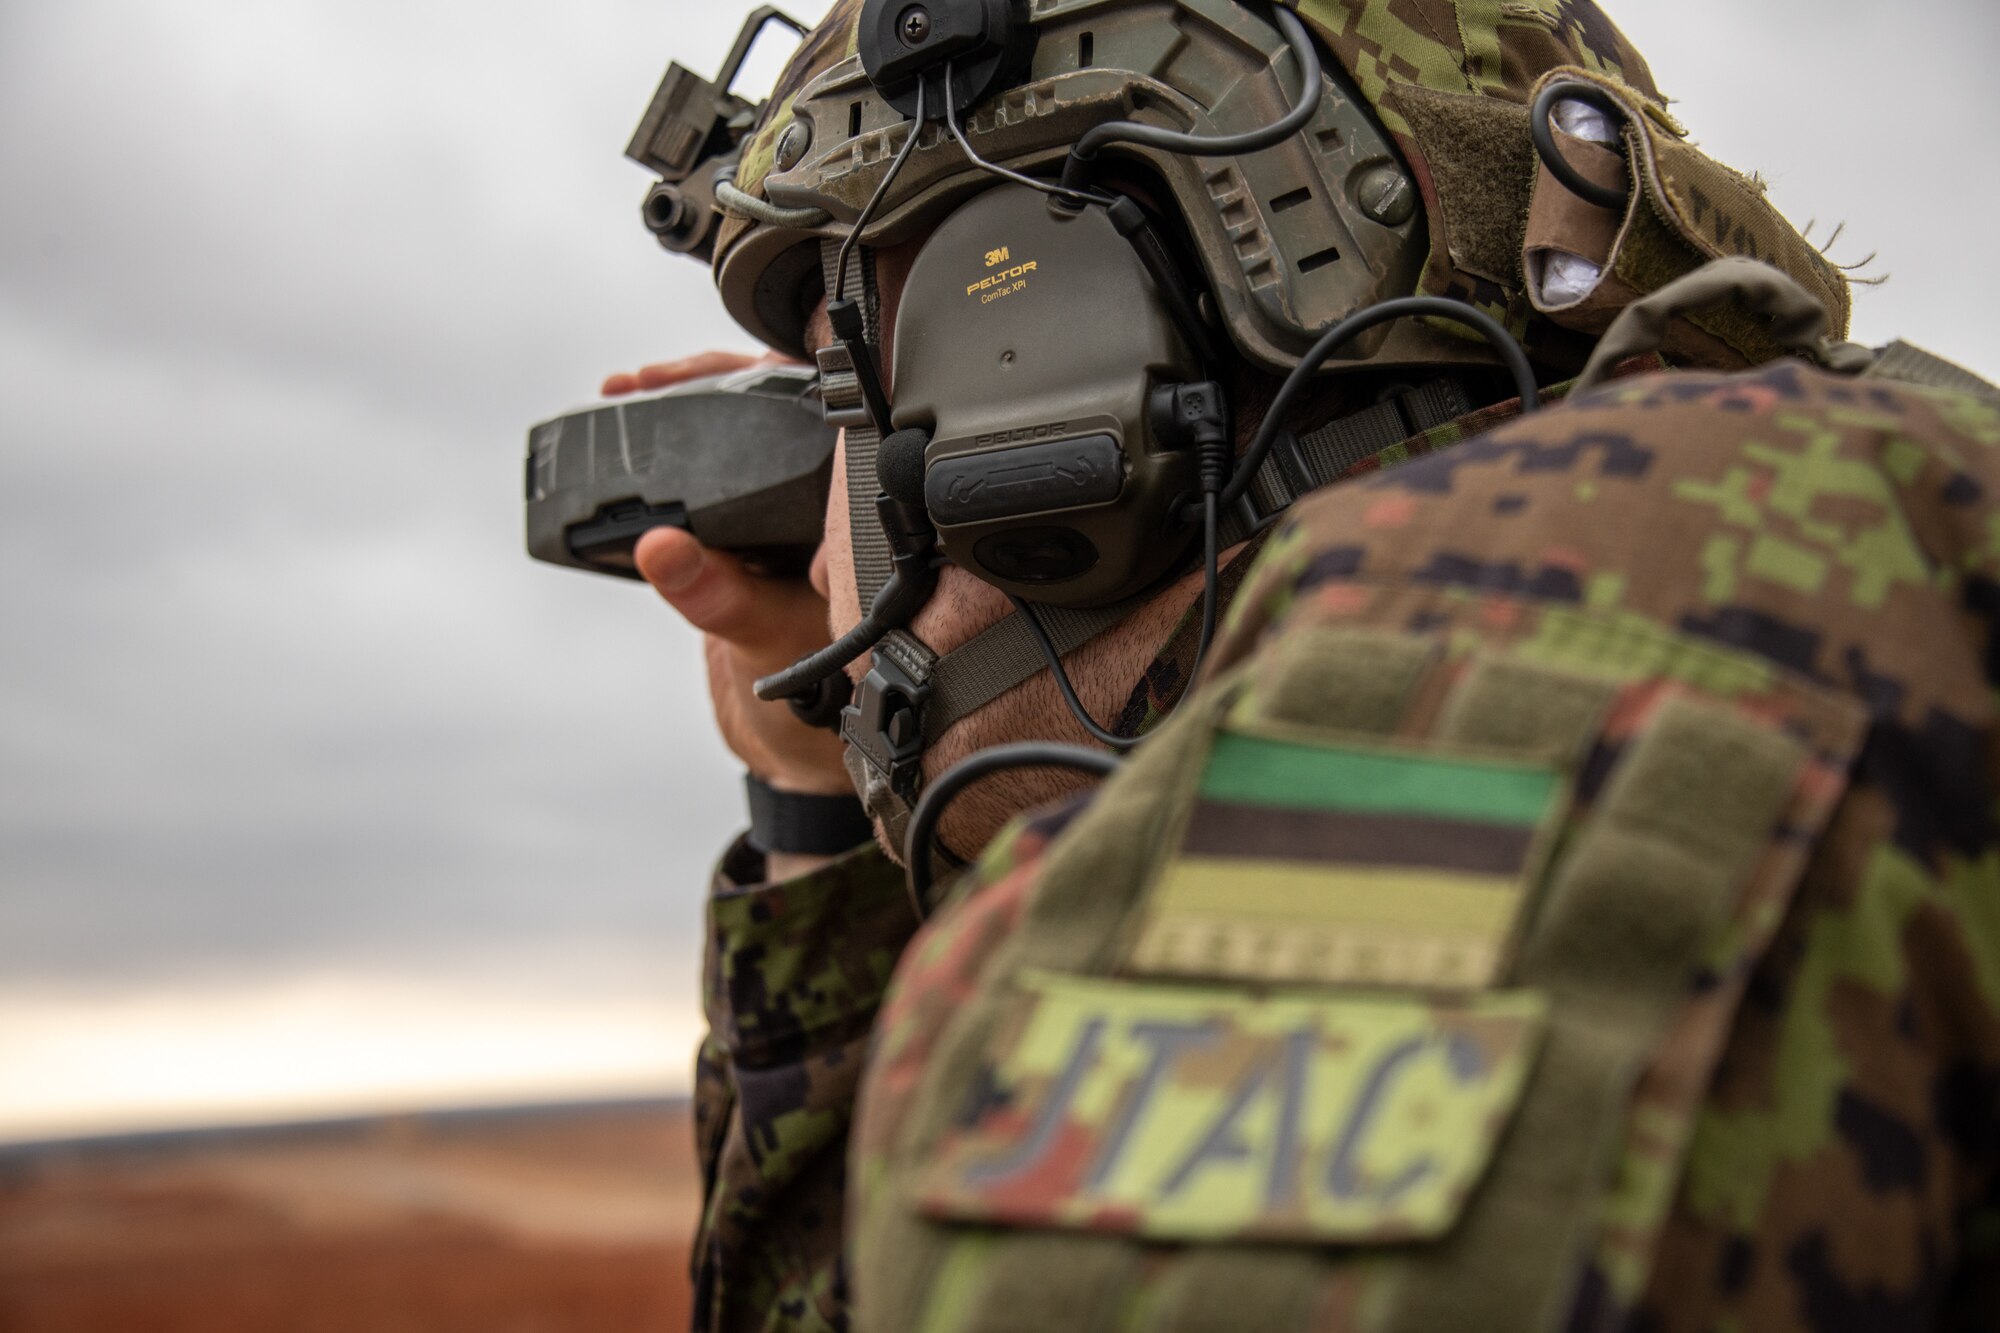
1416, 172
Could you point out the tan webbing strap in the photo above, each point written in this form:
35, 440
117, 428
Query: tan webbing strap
840, 390
1003, 656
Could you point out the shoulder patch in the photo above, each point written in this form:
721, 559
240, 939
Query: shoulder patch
1179, 1113
1302, 860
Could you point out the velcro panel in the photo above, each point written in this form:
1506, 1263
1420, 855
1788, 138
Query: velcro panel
1521, 708
1035, 1283
1337, 679
1677, 833
1482, 166
1238, 1287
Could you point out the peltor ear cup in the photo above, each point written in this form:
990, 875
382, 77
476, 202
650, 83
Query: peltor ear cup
1029, 341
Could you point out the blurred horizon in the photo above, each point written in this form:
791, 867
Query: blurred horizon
320, 797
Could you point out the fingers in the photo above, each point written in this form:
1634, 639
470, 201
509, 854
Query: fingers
666, 374
771, 619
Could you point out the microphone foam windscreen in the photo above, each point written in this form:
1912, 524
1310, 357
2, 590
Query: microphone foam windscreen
899, 466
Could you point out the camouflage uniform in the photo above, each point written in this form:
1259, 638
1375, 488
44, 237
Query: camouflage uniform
1810, 1140
795, 974
1675, 870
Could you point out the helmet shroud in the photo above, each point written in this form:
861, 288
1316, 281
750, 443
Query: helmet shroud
1289, 239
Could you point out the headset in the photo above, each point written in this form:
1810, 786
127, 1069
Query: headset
1058, 425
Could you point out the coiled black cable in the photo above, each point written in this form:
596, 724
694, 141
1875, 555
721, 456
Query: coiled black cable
1542, 130
922, 837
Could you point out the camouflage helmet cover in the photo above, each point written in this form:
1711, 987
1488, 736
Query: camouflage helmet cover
1389, 52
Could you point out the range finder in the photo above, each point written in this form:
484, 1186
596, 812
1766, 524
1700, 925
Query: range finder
742, 461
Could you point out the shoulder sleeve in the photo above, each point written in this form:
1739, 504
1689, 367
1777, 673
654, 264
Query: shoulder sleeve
794, 973
1843, 1169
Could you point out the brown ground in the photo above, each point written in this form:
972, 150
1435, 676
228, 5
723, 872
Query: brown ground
559, 1221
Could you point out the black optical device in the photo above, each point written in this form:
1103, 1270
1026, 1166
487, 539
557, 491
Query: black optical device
692, 128
742, 461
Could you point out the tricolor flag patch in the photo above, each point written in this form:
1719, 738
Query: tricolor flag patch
1333, 864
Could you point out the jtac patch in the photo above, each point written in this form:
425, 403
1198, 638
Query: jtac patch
1188, 1114
1342, 865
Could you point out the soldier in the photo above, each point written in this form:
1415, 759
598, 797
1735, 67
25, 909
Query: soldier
1568, 894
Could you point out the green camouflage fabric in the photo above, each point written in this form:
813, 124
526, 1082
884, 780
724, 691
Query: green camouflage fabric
795, 971
1806, 566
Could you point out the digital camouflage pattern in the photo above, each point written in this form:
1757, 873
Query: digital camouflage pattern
795, 971
1811, 1142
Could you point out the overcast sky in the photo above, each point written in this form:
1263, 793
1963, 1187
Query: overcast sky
289, 727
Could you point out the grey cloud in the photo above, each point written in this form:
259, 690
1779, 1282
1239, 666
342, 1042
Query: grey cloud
280, 288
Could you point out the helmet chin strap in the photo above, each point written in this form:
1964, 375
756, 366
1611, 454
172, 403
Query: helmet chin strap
911, 694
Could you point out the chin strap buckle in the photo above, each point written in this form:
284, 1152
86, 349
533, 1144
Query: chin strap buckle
884, 730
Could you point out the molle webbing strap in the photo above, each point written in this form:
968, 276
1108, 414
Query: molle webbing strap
1300, 464
1904, 364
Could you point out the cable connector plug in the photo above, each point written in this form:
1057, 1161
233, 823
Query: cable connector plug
1196, 415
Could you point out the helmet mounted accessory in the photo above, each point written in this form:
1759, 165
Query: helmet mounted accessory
1290, 237
983, 45
692, 127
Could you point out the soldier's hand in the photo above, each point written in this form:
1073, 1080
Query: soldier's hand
751, 625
